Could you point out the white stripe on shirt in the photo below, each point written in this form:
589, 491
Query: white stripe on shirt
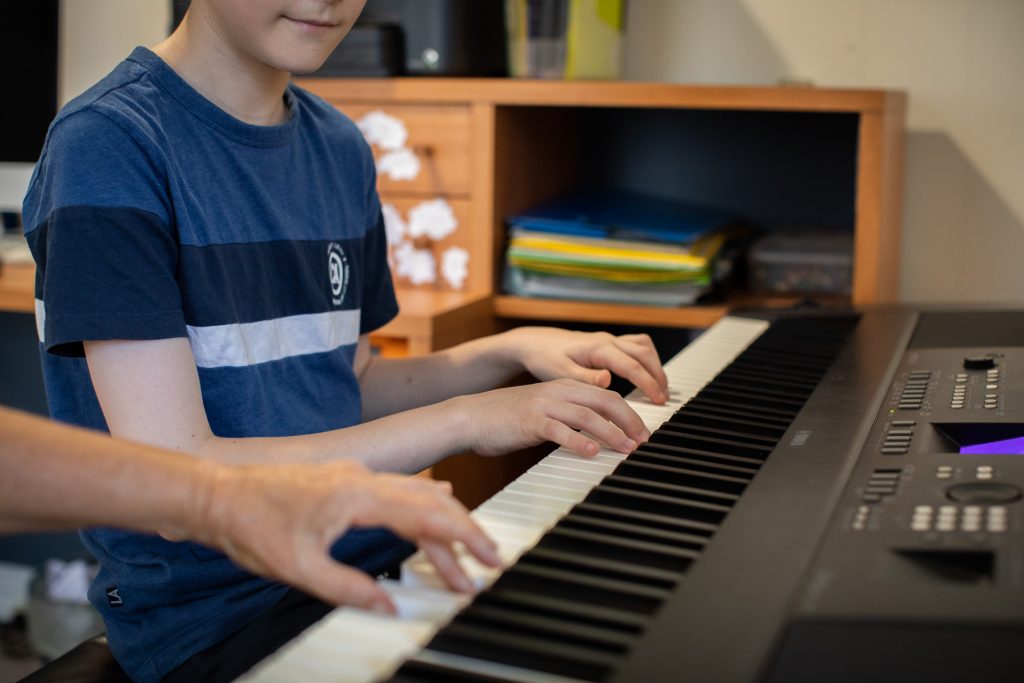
41, 320
241, 344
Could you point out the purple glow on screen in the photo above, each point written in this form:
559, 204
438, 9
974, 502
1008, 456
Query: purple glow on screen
1004, 447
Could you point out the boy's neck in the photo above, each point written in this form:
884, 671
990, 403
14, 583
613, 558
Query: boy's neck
237, 83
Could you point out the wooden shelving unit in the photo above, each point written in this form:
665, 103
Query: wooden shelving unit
507, 144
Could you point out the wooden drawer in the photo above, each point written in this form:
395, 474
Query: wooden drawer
408, 207
438, 136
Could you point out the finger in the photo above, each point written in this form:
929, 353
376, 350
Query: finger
596, 425
625, 365
598, 377
420, 511
613, 408
558, 432
337, 584
443, 558
642, 348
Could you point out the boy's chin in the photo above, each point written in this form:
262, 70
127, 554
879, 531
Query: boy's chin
301, 66
297, 59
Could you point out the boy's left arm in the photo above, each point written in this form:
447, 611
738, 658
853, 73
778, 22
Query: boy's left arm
391, 385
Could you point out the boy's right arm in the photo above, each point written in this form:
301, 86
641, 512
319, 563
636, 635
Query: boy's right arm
149, 391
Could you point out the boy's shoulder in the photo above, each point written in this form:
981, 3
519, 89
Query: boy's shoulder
126, 93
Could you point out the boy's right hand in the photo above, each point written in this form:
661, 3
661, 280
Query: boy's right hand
508, 419
281, 520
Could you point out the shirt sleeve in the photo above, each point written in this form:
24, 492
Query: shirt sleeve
379, 305
98, 223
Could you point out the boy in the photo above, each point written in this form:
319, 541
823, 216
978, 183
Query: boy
209, 238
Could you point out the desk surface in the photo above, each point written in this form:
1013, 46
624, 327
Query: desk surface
17, 287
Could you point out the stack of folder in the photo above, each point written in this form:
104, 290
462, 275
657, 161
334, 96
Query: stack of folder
615, 247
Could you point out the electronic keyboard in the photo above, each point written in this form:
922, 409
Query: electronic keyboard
824, 497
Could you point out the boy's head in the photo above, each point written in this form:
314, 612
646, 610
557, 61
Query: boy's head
290, 35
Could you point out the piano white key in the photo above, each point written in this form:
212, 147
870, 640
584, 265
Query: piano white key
583, 484
575, 462
518, 516
535, 512
371, 644
529, 487
572, 474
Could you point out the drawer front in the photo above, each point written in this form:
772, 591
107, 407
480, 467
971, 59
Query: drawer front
442, 224
421, 149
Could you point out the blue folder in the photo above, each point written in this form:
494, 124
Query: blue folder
622, 215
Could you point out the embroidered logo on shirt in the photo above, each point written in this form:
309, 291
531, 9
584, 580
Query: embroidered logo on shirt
113, 597
337, 267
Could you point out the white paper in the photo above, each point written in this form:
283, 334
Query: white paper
401, 164
394, 224
417, 265
69, 581
434, 219
455, 266
383, 130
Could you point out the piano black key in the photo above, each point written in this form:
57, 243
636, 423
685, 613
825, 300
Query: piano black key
676, 437
548, 556
695, 410
783, 362
658, 504
750, 409
752, 398
595, 589
688, 494
706, 465
754, 373
581, 518
674, 474
752, 367
699, 454
764, 390
609, 547
733, 432
575, 610
570, 631
654, 521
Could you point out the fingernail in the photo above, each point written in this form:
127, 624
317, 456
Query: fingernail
630, 445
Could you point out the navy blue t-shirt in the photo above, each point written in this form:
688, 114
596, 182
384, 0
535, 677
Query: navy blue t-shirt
154, 214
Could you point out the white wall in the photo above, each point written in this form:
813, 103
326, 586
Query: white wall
97, 34
961, 63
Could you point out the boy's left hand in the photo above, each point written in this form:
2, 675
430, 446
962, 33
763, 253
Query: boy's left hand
550, 353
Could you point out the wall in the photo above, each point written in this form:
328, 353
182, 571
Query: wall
961, 63
97, 34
